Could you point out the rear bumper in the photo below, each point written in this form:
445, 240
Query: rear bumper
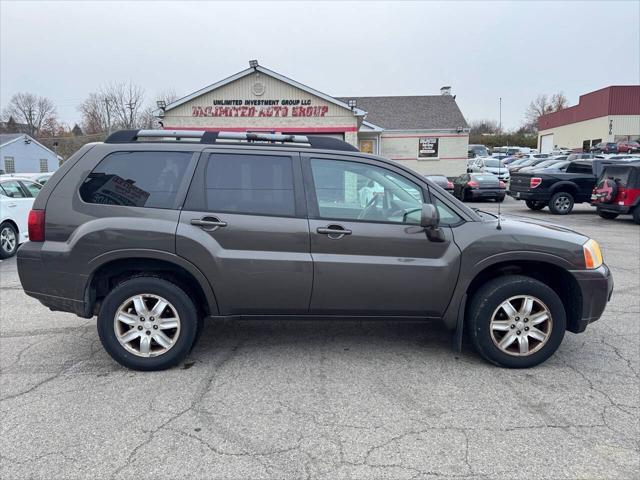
528, 195
596, 287
486, 193
612, 207
59, 291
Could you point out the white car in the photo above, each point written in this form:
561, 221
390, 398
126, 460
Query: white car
16, 198
490, 165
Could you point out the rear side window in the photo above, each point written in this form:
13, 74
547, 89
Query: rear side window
579, 168
137, 179
250, 184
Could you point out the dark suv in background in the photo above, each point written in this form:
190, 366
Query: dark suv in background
153, 231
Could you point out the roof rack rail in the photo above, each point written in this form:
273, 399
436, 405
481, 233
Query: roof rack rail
320, 142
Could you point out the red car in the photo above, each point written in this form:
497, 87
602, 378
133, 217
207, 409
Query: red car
617, 191
628, 147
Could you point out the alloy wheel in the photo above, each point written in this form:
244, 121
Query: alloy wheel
521, 325
562, 203
146, 325
8, 239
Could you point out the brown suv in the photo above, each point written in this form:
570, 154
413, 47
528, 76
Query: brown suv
153, 231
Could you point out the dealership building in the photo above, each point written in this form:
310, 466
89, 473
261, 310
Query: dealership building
610, 114
427, 133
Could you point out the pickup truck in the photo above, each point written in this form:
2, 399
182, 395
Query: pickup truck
558, 190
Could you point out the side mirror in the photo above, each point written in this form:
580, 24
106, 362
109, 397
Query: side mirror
429, 218
430, 221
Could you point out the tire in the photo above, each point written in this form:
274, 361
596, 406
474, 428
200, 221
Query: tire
486, 306
8, 240
561, 203
636, 214
500, 199
607, 215
535, 205
180, 310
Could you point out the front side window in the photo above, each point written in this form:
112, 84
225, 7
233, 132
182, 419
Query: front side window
357, 191
250, 184
137, 179
12, 189
33, 188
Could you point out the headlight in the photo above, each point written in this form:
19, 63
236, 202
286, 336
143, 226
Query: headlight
592, 254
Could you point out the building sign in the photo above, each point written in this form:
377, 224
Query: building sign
428, 147
260, 108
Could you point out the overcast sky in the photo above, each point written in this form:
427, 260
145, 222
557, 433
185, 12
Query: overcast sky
484, 50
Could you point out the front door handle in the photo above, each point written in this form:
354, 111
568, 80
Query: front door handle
209, 224
335, 232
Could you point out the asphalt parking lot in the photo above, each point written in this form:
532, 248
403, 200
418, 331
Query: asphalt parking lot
326, 400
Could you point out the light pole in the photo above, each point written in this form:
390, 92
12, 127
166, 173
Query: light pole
500, 123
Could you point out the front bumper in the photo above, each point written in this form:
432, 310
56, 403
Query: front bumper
596, 287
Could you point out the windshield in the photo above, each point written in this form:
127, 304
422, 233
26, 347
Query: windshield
492, 163
479, 150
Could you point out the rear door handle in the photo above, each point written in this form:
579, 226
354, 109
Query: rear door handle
209, 224
335, 232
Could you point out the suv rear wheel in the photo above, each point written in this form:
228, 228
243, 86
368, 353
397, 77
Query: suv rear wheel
561, 203
516, 321
636, 214
147, 323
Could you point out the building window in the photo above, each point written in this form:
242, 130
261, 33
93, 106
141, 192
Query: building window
367, 146
9, 165
44, 166
428, 148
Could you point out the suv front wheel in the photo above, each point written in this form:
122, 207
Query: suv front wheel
148, 323
516, 321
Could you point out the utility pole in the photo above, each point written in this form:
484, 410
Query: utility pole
500, 124
106, 103
131, 106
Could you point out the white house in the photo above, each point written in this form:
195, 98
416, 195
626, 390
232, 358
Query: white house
20, 153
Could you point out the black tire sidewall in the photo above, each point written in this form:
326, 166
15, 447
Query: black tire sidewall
487, 299
636, 214
553, 198
535, 205
4, 254
189, 321
607, 215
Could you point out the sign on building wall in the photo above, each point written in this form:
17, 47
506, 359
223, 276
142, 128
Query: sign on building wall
260, 108
428, 147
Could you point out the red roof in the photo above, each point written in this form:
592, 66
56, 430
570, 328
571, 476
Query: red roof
614, 100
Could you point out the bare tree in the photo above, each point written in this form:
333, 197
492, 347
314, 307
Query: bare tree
484, 126
542, 105
34, 111
95, 114
148, 118
125, 103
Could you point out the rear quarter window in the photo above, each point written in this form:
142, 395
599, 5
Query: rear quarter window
137, 179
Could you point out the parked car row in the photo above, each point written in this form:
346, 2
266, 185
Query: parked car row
608, 184
624, 146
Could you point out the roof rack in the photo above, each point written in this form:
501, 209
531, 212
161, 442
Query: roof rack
222, 137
